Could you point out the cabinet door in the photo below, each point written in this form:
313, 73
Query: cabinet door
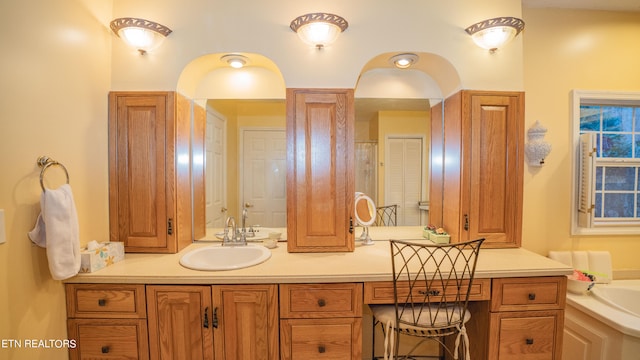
320, 174
180, 322
138, 168
248, 322
493, 170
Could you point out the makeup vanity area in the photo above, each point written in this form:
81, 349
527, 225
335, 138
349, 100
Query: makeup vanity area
309, 300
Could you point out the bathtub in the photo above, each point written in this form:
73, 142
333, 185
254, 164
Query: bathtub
603, 324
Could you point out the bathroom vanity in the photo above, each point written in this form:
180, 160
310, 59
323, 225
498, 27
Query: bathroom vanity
299, 305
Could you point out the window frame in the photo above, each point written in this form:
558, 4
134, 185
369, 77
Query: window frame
610, 98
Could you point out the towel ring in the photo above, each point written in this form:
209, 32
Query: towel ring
45, 162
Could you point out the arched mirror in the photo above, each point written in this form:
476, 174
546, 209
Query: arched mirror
365, 214
246, 115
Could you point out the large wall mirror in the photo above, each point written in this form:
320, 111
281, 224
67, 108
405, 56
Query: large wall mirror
245, 157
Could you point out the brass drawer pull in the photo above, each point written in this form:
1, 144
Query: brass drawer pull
529, 341
532, 296
322, 303
102, 302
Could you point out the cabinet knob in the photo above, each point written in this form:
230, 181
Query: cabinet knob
102, 302
105, 349
321, 349
532, 296
322, 302
529, 341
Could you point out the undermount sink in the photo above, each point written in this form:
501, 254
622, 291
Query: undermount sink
218, 257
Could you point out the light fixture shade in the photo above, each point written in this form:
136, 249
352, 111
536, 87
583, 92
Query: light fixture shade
404, 61
235, 61
537, 148
319, 29
494, 33
143, 35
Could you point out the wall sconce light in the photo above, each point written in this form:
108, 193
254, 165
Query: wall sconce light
403, 61
536, 149
235, 61
494, 33
143, 35
319, 29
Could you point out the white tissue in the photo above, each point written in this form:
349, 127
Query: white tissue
92, 245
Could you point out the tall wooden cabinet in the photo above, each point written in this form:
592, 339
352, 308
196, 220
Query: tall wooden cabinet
320, 174
149, 171
483, 166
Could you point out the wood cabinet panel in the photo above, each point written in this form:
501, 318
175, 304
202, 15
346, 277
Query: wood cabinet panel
108, 338
381, 292
529, 335
483, 171
105, 301
517, 294
320, 175
179, 320
149, 191
248, 322
320, 300
308, 339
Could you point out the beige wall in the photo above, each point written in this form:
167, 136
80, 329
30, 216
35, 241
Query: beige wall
57, 71
55, 77
565, 50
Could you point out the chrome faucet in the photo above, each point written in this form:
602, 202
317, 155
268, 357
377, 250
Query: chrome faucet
237, 238
247, 232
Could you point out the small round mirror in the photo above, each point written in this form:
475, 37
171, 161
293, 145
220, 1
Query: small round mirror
365, 210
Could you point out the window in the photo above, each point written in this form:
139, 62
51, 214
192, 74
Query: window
607, 195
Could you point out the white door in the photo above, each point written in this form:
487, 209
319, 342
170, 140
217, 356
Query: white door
404, 179
215, 163
263, 176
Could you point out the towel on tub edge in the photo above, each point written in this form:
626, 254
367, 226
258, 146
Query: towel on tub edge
56, 230
597, 263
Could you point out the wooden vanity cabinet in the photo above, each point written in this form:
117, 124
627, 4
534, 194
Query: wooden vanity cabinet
483, 167
149, 171
321, 321
248, 322
222, 322
107, 321
527, 318
320, 170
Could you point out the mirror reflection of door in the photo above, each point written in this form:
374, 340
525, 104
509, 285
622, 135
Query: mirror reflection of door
216, 184
404, 178
263, 176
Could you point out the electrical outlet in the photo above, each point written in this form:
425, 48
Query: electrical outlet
3, 235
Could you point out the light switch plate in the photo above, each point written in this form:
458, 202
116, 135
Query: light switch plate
3, 235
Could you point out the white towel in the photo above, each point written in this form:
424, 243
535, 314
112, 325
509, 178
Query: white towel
57, 230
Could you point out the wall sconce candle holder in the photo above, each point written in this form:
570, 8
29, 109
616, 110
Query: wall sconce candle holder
536, 149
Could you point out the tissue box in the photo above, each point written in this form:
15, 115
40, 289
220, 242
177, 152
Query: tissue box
440, 238
427, 233
105, 255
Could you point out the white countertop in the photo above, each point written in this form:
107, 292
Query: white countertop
366, 263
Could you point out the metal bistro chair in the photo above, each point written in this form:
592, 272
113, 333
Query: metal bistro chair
431, 284
386, 215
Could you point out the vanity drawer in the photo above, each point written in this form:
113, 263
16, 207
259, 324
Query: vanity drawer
106, 301
530, 335
320, 300
518, 294
308, 339
108, 339
381, 292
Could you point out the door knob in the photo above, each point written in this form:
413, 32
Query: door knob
248, 205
